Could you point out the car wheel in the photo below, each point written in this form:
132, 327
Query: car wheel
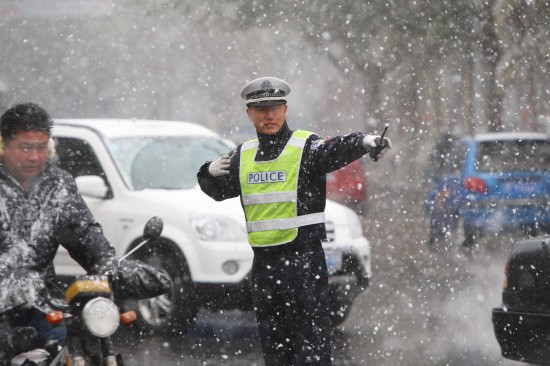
174, 313
438, 239
465, 237
457, 235
469, 236
435, 239
340, 309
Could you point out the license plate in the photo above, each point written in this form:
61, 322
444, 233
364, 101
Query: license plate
334, 260
522, 188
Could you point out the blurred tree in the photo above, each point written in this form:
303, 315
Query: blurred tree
524, 31
408, 44
422, 65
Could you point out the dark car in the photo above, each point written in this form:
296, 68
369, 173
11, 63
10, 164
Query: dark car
489, 183
522, 323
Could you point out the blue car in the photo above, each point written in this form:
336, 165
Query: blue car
489, 183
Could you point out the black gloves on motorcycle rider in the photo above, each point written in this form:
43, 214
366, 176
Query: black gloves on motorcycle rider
133, 278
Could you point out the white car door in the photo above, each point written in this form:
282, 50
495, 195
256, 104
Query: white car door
81, 152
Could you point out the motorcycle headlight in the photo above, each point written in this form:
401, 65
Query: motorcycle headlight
214, 227
101, 317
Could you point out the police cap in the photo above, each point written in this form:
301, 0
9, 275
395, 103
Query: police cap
265, 91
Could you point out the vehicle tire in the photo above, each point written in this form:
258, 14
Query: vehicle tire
435, 240
340, 307
173, 314
458, 235
439, 224
469, 236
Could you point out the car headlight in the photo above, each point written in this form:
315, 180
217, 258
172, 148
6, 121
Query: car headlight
214, 227
101, 317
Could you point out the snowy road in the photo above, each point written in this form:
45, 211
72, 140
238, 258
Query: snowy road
422, 308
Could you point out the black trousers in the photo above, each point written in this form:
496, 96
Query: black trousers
290, 297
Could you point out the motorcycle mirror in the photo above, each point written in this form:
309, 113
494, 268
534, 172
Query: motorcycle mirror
153, 228
151, 231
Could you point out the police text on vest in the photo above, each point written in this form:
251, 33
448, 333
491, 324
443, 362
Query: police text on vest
266, 177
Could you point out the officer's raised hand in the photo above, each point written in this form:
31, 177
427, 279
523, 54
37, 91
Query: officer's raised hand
220, 166
377, 146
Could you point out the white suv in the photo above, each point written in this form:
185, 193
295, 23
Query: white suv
130, 170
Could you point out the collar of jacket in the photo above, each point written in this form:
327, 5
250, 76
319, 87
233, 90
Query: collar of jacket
270, 146
6, 175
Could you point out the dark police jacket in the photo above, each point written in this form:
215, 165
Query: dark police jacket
34, 223
319, 158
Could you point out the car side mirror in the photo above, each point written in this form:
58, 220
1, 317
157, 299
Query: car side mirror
92, 186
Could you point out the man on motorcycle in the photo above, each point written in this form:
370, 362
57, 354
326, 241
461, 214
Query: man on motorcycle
40, 208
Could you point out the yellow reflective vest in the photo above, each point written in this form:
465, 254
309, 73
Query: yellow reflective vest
269, 193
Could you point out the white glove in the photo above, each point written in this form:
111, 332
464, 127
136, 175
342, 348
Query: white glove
220, 166
376, 148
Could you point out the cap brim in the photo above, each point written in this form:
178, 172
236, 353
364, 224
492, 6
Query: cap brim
266, 103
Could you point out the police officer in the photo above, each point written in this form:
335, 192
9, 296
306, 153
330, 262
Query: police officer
280, 177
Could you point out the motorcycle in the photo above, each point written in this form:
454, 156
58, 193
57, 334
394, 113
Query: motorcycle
91, 313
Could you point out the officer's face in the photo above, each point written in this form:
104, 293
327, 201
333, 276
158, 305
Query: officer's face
25, 155
267, 120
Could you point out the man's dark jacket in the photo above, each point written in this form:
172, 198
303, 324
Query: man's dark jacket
319, 158
33, 223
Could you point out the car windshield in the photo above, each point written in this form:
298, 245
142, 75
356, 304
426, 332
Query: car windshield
164, 162
522, 155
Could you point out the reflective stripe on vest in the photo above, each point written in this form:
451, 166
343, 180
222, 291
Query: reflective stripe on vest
269, 193
284, 224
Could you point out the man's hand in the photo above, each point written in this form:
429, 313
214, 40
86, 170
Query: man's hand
133, 278
139, 280
220, 166
377, 147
